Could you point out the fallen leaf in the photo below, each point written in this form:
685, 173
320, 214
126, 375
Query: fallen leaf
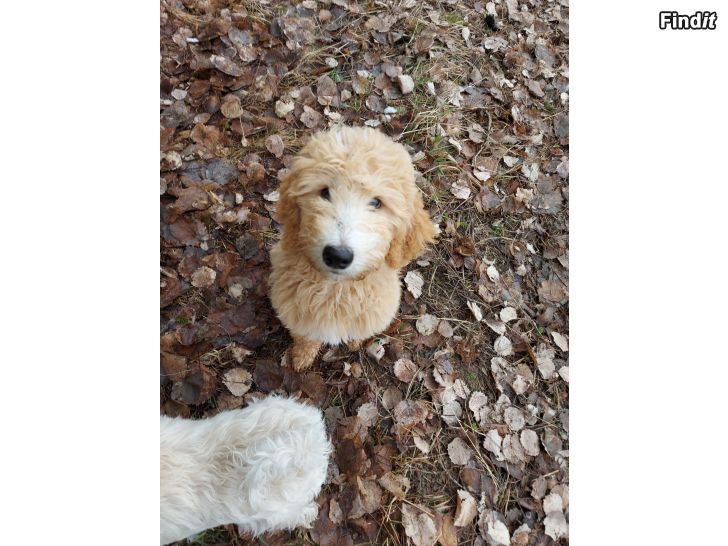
391, 397
410, 412
552, 291
466, 510
368, 413
396, 484
272, 196
418, 525
460, 453
545, 362
475, 309
555, 525
274, 144
426, 324
310, 117
406, 83
452, 412
477, 403
223, 64
421, 443
231, 107
405, 370
460, 189
203, 277
284, 107
238, 381
444, 329
492, 273
514, 418
529, 441
497, 326
508, 314
503, 346
493, 442
368, 500
414, 283
495, 531
562, 342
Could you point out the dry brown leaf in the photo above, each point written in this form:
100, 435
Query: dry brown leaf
391, 397
274, 144
310, 117
493, 529
514, 418
376, 349
223, 64
467, 509
503, 346
552, 291
530, 443
368, 413
238, 381
410, 412
396, 484
203, 277
231, 107
418, 525
493, 442
508, 314
444, 329
414, 283
497, 326
421, 443
460, 453
555, 525
405, 370
545, 362
427, 324
475, 309
562, 342
460, 189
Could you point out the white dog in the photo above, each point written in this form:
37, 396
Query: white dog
259, 467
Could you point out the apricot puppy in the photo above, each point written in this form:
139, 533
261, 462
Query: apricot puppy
352, 218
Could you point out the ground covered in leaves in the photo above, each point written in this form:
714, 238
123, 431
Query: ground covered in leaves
452, 426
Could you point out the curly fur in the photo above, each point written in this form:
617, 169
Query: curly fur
321, 305
259, 467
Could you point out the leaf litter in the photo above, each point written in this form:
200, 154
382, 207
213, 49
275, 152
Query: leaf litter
451, 426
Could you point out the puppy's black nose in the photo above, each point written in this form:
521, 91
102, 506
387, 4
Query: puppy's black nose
338, 257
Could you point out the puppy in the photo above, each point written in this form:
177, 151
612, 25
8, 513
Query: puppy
352, 218
259, 467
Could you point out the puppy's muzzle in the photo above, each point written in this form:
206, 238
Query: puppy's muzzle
338, 257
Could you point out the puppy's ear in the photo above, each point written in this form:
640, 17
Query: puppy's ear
410, 241
288, 213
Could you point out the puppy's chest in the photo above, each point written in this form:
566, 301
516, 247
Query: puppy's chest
342, 312
335, 312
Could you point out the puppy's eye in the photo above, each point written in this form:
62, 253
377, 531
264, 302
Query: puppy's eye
376, 203
325, 194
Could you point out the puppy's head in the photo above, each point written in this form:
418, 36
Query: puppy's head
350, 203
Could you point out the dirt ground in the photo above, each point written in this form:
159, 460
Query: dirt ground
451, 427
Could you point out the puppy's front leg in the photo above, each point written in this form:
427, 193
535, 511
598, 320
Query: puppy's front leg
303, 353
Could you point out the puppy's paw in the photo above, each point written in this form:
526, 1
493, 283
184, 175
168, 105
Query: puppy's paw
301, 363
354, 345
303, 353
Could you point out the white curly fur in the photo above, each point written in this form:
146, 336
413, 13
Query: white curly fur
259, 467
